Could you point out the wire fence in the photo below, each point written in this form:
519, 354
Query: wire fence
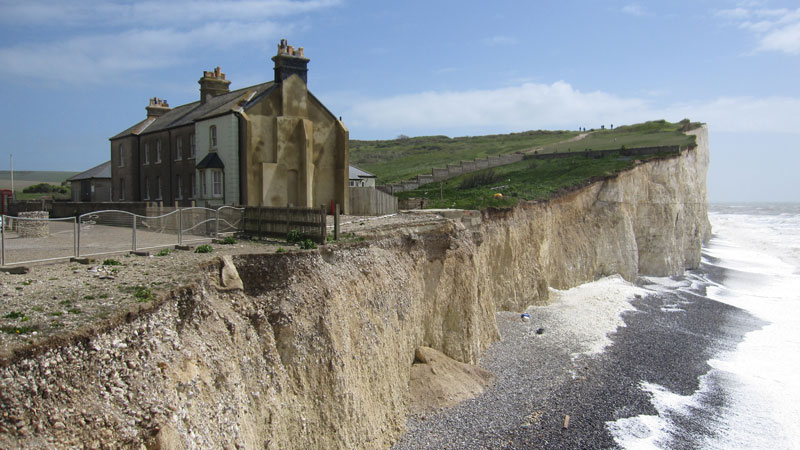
29, 240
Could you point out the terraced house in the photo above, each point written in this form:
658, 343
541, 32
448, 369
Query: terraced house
271, 144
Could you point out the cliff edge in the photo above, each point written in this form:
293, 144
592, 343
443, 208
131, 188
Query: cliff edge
316, 348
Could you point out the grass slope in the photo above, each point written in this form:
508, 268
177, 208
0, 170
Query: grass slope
39, 176
403, 159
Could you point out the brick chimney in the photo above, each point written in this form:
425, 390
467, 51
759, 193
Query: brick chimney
157, 107
213, 84
290, 61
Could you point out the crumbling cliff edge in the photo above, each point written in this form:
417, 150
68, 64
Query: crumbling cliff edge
316, 350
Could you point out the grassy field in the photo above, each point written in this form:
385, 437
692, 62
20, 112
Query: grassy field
25, 178
403, 159
529, 179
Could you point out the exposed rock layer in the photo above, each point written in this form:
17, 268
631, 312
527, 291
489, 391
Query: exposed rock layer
316, 350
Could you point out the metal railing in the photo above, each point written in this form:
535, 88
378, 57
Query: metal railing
111, 231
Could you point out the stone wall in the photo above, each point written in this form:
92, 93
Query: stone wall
30, 227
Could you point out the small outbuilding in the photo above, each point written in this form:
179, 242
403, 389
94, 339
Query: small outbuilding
361, 178
93, 185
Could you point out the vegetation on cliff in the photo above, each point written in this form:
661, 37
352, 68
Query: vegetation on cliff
404, 158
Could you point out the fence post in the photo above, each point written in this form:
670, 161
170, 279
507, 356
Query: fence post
134, 233
3, 241
180, 226
75, 235
336, 223
216, 225
78, 237
323, 224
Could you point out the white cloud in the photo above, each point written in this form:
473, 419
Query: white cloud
151, 13
499, 40
97, 58
557, 106
634, 9
777, 30
105, 39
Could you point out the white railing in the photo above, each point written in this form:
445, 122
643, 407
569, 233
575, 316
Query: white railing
112, 231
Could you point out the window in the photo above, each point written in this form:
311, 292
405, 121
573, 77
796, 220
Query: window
122, 188
121, 153
193, 194
158, 184
146, 153
179, 149
203, 183
213, 136
179, 188
158, 151
146, 189
216, 180
191, 145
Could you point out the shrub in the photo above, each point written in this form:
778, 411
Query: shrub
308, 244
163, 252
293, 237
111, 262
480, 179
230, 240
14, 315
205, 248
143, 294
280, 250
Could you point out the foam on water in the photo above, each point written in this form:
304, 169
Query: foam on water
761, 255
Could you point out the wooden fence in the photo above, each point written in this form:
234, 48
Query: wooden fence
368, 201
268, 221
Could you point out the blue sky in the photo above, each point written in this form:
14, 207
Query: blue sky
76, 73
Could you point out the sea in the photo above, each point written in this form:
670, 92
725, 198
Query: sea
749, 397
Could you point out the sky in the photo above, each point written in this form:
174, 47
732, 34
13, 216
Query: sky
76, 73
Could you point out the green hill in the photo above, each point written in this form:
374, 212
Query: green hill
404, 158
529, 179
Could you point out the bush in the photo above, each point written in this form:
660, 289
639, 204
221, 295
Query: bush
205, 248
111, 262
480, 179
308, 244
143, 294
293, 237
163, 252
46, 188
280, 250
230, 240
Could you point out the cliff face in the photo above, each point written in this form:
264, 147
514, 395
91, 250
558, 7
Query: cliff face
316, 350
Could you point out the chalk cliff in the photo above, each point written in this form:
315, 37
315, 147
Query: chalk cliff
316, 350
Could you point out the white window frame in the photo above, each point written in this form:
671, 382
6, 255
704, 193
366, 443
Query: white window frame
203, 190
121, 154
158, 151
192, 146
178, 184
217, 183
146, 154
179, 149
158, 184
193, 193
212, 136
146, 189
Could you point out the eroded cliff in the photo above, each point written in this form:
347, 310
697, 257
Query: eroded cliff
316, 350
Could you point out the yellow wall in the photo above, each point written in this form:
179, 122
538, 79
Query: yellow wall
296, 150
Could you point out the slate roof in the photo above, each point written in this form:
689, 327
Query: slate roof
357, 174
237, 100
211, 161
101, 171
